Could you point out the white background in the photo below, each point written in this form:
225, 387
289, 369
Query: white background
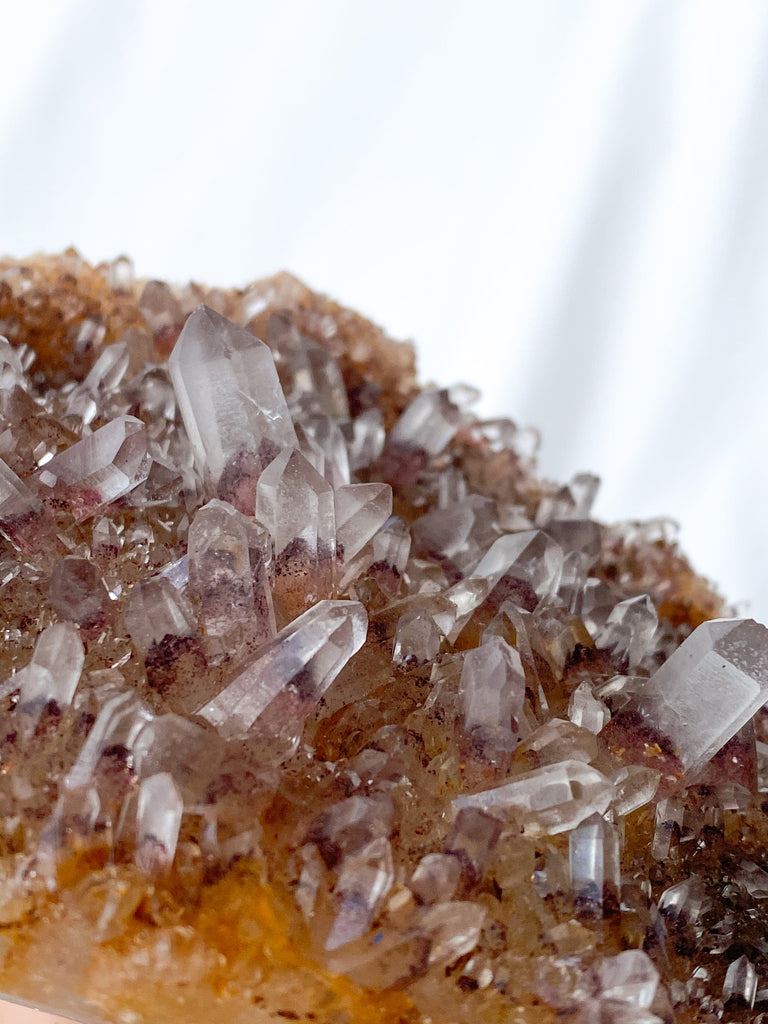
565, 203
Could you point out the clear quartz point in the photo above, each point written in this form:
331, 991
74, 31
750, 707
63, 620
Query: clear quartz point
630, 977
594, 861
24, 520
51, 676
311, 377
228, 392
586, 710
428, 423
114, 733
472, 839
364, 880
156, 609
436, 878
708, 689
11, 370
77, 592
552, 799
365, 438
298, 666
361, 511
417, 639
530, 556
295, 503
392, 544
229, 561
160, 808
740, 985
492, 692
97, 470
629, 630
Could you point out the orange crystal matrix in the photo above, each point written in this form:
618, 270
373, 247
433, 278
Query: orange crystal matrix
318, 705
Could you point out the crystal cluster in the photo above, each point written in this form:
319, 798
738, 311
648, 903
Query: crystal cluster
319, 705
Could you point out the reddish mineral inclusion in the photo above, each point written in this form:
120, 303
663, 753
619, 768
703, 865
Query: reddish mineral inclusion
319, 705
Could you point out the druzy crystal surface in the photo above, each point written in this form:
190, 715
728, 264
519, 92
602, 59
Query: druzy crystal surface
319, 705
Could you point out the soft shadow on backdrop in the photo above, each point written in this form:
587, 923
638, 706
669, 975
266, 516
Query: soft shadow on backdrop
565, 204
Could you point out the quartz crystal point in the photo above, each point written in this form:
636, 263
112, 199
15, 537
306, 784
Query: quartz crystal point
158, 820
52, 675
229, 393
740, 985
361, 510
552, 799
365, 878
630, 977
493, 690
111, 741
229, 561
417, 639
429, 422
77, 592
24, 520
295, 504
594, 861
298, 666
155, 610
97, 470
708, 689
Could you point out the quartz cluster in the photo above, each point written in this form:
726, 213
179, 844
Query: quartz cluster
319, 705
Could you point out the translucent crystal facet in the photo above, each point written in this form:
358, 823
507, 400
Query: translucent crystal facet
299, 665
158, 820
295, 504
492, 691
710, 686
229, 393
594, 861
97, 470
155, 610
229, 559
552, 799
23, 518
51, 676
361, 510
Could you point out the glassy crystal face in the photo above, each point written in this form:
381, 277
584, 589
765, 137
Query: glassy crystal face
98, 470
228, 392
318, 705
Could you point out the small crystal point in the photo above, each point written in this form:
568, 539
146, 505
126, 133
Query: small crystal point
740, 986
97, 470
158, 821
492, 689
361, 510
77, 592
302, 662
552, 799
24, 520
156, 609
594, 861
52, 675
229, 558
228, 392
631, 977
708, 689
295, 503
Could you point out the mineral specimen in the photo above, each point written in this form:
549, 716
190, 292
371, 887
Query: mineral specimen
319, 705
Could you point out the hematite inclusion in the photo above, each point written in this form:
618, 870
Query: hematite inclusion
317, 704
